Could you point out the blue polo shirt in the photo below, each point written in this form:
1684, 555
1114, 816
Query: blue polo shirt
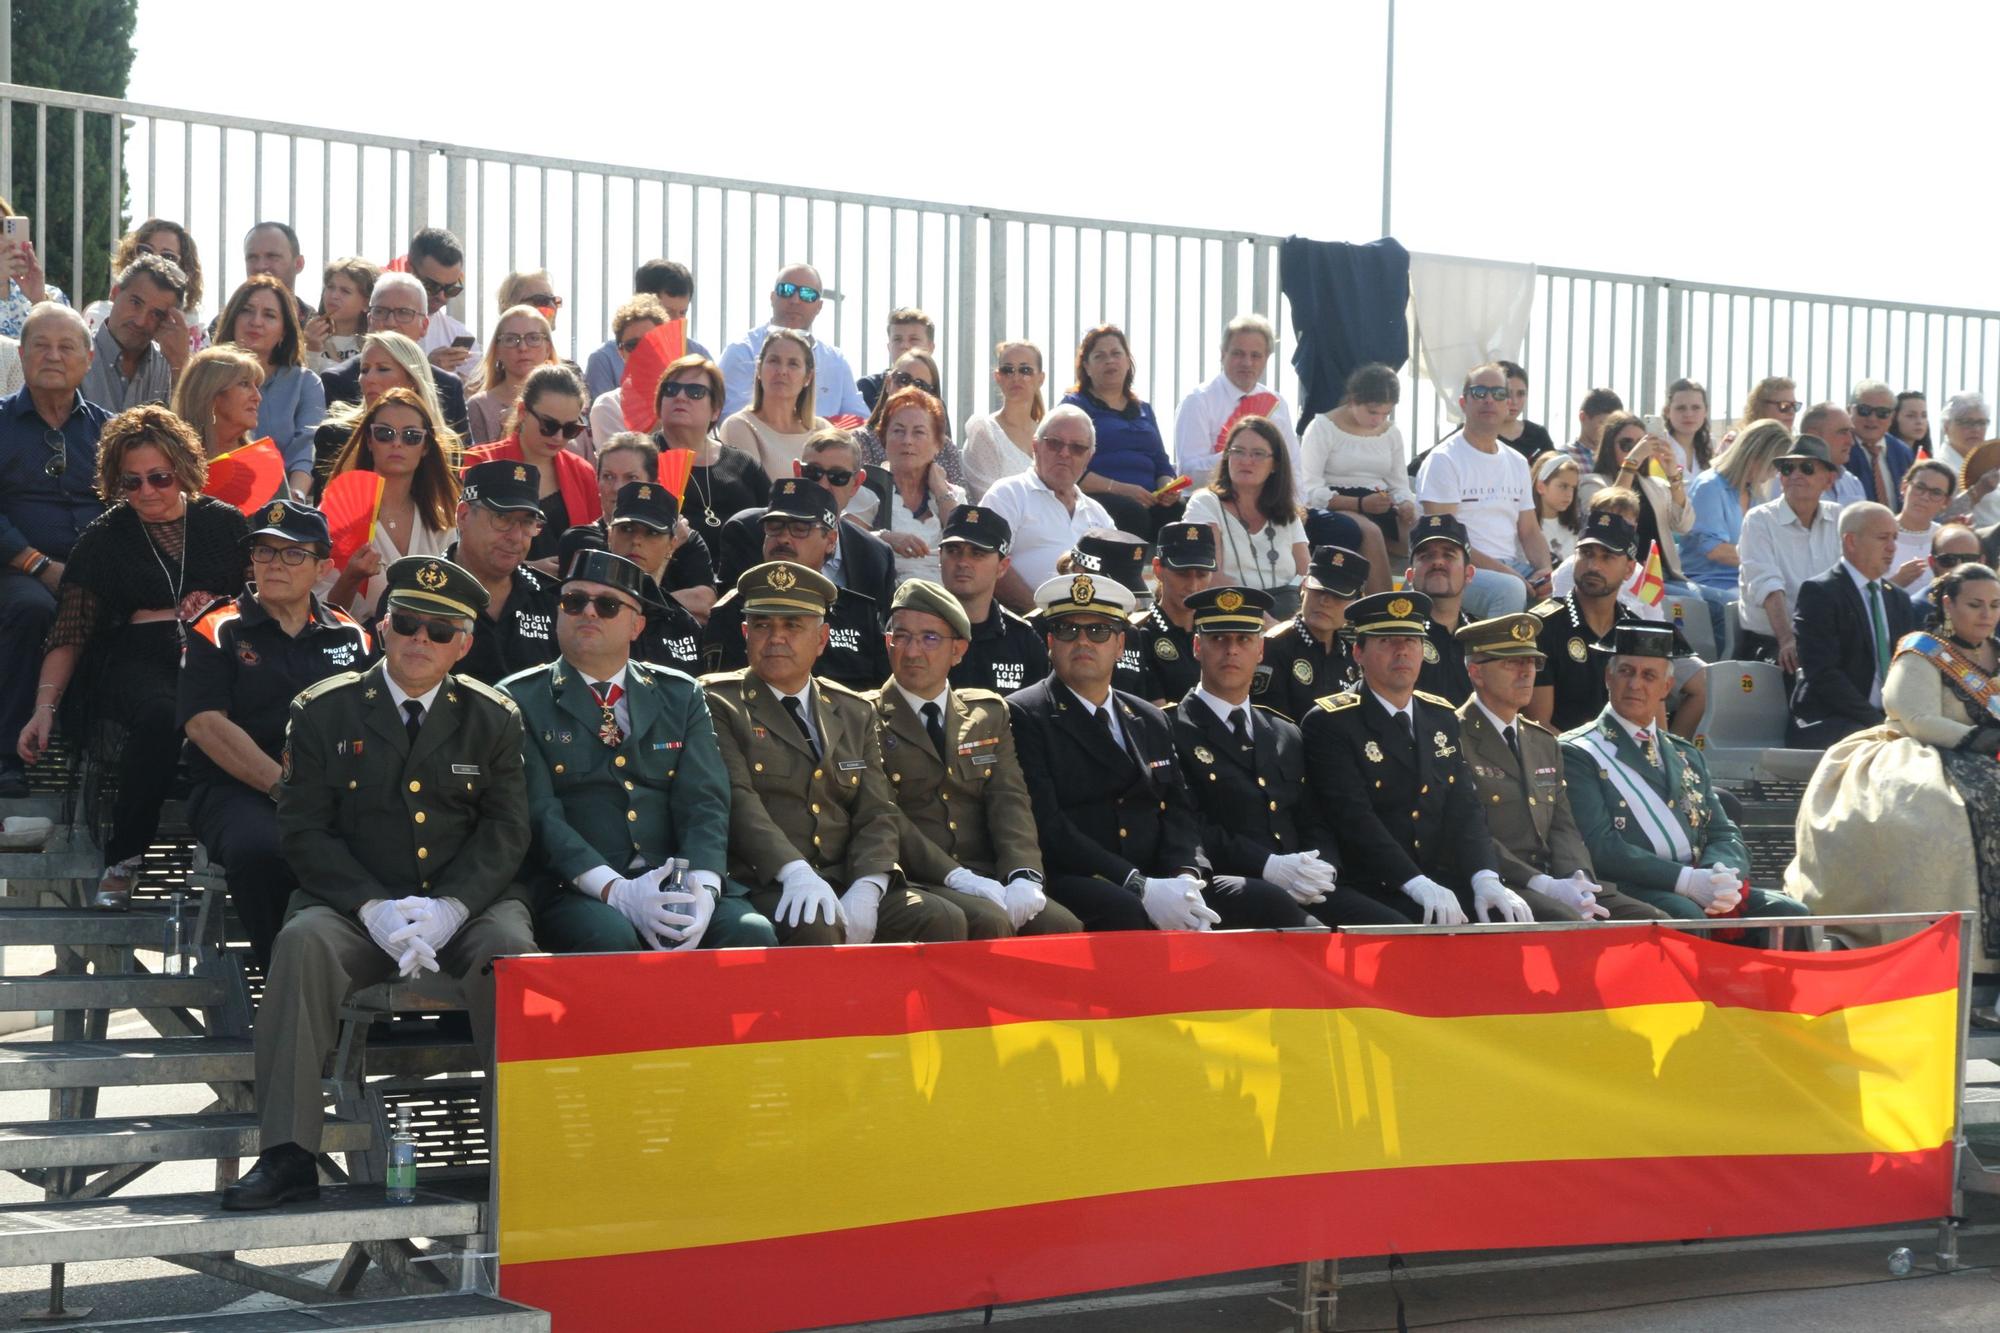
1129, 447
47, 513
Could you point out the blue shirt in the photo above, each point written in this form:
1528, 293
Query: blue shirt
834, 391
294, 405
1129, 447
1718, 517
605, 370
47, 513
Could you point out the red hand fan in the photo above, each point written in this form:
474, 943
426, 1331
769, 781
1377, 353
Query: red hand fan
846, 421
676, 465
350, 503
246, 477
641, 381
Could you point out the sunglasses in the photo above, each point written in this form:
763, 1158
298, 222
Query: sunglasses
1787, 467
59, 460
535, 339
1785, 408
409, 626
674, 389
904, 379
1075, 448
448, 290
569, 430
385, 434
606, 606
1481, 392
791, 290
1097, 631
1953, 561
832, 476
1863, 411
800, 528
1024, 369
542, 301
290, 555
158, 481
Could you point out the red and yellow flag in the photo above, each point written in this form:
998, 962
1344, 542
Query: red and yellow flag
1649, 580
791, 1138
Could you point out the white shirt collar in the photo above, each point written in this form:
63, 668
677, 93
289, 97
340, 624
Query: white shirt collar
1220, 707
1494, 718
1633, 729
1861, 580
616, 678
1408, 709
803, 694
397, 694
916, 703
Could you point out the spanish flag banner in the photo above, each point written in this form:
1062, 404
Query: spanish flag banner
780, 1139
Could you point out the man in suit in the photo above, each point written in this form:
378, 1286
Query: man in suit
1310, 656
803, 526
967, 822
1118, 834
1846, 624
398, 304
1272, 857
1385, 766
624, 777
404, 814
1164, 634
861, 561
1518, 773
813, 825
1879, 459
1643, 799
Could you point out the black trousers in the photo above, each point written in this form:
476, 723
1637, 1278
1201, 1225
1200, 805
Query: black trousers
27, 609
239, 827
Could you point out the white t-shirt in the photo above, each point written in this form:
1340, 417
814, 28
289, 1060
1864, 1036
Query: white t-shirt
1490, 489
1264, 559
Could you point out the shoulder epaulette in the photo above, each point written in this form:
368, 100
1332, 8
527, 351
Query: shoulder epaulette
1437, 699
1277, 631
319, 689
526, 674
1546, 607
717, 679
835, 687
1334, 703
481, 689
976, 694
1524, 720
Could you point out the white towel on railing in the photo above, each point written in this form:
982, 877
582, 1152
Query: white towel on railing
1466, 312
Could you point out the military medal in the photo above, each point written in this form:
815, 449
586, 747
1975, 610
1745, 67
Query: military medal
1445, 749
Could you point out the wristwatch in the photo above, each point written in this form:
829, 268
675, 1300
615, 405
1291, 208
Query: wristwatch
1135, 883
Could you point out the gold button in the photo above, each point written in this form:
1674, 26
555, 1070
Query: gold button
819, 773
758, 767
815, 807
351, 783
893, 777
1496, 800
423, 852
1531, 800
1213, 778
1122, 833
1451, 777
1424, 790
419, 816
952, 824
1416, 814
559, 768
619, 762
631, 816
1274, 805
416, 786
944, 796
628, 784
1378, 784
1261, 782
855, 780
815, 839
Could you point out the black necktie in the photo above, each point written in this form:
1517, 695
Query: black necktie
799, 716
1240, 725
413, 718
934, 724
1103, 716
1409, 721
1513, 743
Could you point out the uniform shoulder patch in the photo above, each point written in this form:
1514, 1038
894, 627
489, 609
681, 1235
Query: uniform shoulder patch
835, 688
715, 680
209, 626
479, 689
1546, 608
973, 694
1334, 703
1525, 720
526, 674
1437, 699
319, 689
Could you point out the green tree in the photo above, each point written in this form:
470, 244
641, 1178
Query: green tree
78, 46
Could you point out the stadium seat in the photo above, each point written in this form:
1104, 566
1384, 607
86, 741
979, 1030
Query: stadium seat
1691, 614
1742, 734
1733, 619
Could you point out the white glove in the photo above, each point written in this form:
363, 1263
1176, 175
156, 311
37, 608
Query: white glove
803, 895
1490, 895
432, 920
386, 921
1301, 874
1176, 904
642, 902
1577, 891
1715, 890
1025, 901
964, 881
1439, 903
860, 906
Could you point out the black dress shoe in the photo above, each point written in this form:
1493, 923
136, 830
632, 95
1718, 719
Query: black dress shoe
284, 1174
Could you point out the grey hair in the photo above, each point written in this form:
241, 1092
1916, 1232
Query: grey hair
1816, 416
1853, 517
400, 282
1251, 323
54, 310
1965, 403
1866, 387
1066, 412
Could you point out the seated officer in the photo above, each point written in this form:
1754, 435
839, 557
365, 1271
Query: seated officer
1117, 832
1005, 653
1440, 566
1124, 559
801, 526
404, 815
1518, 771
1164, 635
247, 657
499, 516
1643, 799
1272, 857
624, 775
967, 821
1310, 656
810, 807
644, 517
1384, 763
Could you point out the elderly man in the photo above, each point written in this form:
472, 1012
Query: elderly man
48, 495
142, 344
625, 781
1045, 507
1440, 566
813, 826
1486, 484
1310, 656
1003, 653
1643, 799
1830, 423
404, 814
1117, 831
1163, 636
1238, 390
797, 297
245, 660
397, 305
436, 259
967, 821
1879, 458
499, 513
1385, 765
1785, 542
672, 286
1518, 773
830, 460
801, 525
1846, 626
1952, 545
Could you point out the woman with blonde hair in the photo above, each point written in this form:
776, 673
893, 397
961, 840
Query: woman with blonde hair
532, 287
218, 394
522, 340
1002, 442
402, 439
1721, 496
773, 429
387, 361
1773, 398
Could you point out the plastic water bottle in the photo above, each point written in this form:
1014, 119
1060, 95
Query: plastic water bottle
400, 1184
175, 959
1901, 1261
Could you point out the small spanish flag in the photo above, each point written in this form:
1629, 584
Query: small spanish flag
1649, 581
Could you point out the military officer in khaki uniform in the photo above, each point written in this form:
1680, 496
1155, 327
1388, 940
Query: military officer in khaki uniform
813, 826
403, 810
967, 821
1518, 769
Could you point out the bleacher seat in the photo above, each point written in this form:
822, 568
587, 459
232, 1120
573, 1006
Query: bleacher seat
1733, 622
1691, 614
1742, 734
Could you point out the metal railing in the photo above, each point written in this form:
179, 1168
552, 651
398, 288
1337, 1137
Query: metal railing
983, 273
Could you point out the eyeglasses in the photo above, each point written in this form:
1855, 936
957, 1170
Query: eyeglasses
1784, 409
394, 314
569, 430
448, 290
437, 631
1254, 455
1024, 369
793, 291
929, 639
904, 379
675, 388
1097, 631
1863, 411
532, 524
1953, 561
832, 476
386, 434
1805, 468
801, 528
1074, 448
1929, 492
535, 339
294, 556
1976, 423
1482, 392
606, 606
167, 255
542, 301
159, 481
59, 461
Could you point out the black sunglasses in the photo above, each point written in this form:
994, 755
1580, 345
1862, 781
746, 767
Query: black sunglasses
904, 380
437, 631
674, 389
385, 434
1865, 410
1804, 467
1097, 631
791, 289
1953, 561
59, 460
569, 430
448, 290
834, 476
159, 481
607, 606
